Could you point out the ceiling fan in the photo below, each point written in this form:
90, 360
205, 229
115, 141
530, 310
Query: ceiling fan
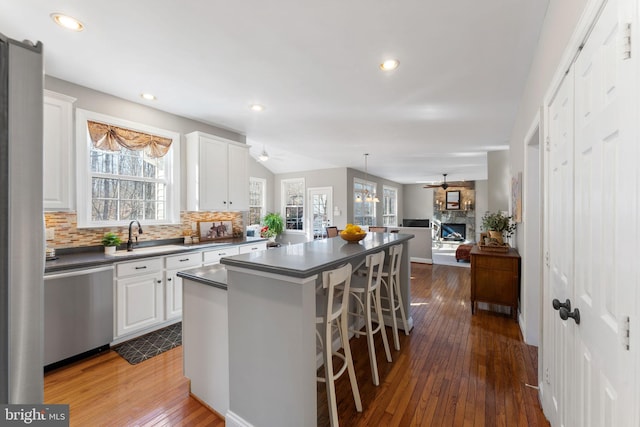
444, 184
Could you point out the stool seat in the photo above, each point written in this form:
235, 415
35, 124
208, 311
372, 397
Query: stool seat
464, 252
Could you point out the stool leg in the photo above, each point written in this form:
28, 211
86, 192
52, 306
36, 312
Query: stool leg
328, 375
349, 362
396, 284
370, 343
383, 331
392, 311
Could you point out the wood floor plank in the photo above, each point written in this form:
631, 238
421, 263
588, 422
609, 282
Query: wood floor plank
454, 369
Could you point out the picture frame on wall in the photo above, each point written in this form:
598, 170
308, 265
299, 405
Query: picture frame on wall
453, 200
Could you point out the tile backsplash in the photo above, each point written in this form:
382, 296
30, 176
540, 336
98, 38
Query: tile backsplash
68, 235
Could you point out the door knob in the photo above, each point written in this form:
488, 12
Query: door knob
565, 314
558, 305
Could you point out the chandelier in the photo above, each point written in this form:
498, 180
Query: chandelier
366, 196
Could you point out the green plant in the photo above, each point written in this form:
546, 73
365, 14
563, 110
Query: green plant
111, 239
274, 222
498, 222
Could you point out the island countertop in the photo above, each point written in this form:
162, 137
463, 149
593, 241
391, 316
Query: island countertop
310, 258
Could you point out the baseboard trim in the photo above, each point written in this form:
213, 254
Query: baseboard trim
234, 420
421, 260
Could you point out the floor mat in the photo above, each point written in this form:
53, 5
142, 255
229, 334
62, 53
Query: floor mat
152, 344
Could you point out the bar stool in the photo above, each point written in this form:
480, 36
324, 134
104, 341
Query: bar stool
366, 293
332, 311
391, 283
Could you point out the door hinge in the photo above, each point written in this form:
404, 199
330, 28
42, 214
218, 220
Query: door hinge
626, 331
546, 258
626, 41
547, 144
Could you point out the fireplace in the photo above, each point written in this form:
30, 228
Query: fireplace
453, 232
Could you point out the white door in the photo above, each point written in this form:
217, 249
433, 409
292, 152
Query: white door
558, 336
591, 373
320, 212
606, 212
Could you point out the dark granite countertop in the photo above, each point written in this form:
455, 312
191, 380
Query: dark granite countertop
213, 275
306, 259
75, 258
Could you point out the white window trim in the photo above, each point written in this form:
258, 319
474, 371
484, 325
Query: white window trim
388, 187
83, 197
284, 205
263, 203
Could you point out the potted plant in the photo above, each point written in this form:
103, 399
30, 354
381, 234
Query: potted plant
110, 241
273, 224
498, 226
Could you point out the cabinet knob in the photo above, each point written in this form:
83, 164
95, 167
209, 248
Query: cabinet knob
557, 305
565, 314
169, 279
159, 281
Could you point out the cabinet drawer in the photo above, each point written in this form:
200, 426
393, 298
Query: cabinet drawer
192, 259
494, 262
213, 257
245, 249
144, 266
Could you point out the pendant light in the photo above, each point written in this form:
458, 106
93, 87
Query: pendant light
368, 197
263, 157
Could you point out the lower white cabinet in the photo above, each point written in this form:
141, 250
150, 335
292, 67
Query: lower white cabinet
213, 257
139, 296
254, 247
173, 283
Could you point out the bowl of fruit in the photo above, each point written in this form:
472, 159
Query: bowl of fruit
353, 233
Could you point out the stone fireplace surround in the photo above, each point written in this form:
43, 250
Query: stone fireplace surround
462, 216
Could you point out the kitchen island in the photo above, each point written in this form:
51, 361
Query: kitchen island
271, 325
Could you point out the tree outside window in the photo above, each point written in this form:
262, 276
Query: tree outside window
364, 212
257, 200
390, 206
293, 202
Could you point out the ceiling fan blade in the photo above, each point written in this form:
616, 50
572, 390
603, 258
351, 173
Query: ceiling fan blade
432, 186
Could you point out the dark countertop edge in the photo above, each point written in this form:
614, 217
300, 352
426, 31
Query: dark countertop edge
74, 258
300, 274
213, 275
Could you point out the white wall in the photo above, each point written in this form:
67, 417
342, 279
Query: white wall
482, 204
418, 202
499, 181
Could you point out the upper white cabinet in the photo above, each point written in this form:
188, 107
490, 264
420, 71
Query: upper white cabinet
217, 174
58, 148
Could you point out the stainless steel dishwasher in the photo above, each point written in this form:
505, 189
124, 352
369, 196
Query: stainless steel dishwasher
78, 314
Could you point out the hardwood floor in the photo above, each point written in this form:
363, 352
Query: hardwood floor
454, 369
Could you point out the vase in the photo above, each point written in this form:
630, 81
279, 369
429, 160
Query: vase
497, 235
109, 250
272, 239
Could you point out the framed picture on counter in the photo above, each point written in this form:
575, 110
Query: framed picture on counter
212, 230
453, 200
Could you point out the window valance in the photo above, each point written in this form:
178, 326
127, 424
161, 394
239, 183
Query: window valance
111, 138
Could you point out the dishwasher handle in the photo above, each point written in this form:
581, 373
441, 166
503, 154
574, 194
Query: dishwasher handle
80, 272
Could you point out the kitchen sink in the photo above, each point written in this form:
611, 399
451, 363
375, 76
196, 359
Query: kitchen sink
149, 250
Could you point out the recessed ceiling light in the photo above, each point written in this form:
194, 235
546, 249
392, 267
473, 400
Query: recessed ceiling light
148, 96
256, 107
389, 64
66, 21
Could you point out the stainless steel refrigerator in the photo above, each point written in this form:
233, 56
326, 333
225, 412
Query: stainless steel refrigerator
21, 222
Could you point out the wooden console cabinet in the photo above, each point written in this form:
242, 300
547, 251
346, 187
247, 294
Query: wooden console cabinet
495, 278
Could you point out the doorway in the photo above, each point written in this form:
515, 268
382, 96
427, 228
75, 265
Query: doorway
320, 213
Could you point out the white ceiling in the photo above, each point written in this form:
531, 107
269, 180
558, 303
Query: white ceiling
314, 65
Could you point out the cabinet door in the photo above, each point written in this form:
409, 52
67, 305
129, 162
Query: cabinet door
213, 257
140, 302
57, 146
173, 295
238, 178
212, 165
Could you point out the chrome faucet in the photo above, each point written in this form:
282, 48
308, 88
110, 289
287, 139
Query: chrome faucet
129, 242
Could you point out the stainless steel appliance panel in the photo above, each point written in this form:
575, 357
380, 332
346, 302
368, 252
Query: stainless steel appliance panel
78, 312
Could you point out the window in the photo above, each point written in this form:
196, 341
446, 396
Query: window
293, 202
390, 206
115, 187
257, 200
364, 211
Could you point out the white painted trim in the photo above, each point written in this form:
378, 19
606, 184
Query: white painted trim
421, 260
232, 419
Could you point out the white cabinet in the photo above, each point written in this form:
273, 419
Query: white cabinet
254, 247
58, 168
139, 295
217, 174
173, 283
